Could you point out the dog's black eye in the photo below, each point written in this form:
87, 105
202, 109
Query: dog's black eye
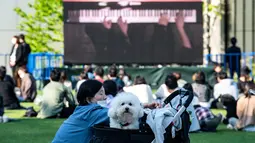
130, 104
122, 104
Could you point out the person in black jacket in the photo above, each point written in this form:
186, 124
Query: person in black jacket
10, 100
7, 78
25, 46
16, 59
233, 58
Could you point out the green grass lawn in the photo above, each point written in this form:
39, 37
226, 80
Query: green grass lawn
32, 130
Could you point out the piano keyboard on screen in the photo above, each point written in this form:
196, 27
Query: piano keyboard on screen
131, 16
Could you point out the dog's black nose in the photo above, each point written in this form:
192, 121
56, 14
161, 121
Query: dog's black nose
127, 109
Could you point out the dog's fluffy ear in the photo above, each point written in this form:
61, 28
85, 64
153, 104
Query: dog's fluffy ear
141, 113
112, 113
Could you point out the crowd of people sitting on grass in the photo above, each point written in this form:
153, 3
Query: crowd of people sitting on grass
59, 99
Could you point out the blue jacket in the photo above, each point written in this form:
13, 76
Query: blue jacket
77, 128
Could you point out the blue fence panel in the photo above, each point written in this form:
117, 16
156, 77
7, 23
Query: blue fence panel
40, 64
246, 59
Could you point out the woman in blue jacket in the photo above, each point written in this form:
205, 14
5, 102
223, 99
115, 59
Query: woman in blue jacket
77, 128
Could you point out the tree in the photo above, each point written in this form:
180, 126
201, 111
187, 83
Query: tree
211, 11
44, 26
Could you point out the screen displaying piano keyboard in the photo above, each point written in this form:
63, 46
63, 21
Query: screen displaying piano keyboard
89, 37
129, 15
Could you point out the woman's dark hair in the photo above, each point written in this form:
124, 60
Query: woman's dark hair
222, 75
188, 87
63, 76
16, 37
55, 75
110, 87
247, 87
139, 80
87, 91
171, 82
2, 73
113, 71
84, 75
22, 36
245, 70
200, 78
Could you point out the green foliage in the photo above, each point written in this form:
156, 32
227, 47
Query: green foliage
209, 9
44, 26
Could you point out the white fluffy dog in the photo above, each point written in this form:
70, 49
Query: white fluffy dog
125, 111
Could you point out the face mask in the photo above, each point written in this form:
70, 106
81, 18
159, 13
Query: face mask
102, 103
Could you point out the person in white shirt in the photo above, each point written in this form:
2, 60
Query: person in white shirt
181, 82
111, 90
162, 91
83, 77
172, 85
225, 85
141, 89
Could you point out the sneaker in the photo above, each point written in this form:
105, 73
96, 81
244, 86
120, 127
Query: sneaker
230, 127
5, 119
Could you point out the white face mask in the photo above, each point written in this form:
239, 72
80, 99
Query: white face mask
102, 103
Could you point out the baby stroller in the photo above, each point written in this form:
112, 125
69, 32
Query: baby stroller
103, 134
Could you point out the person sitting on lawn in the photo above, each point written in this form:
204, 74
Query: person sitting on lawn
125, 77
207, 120
111, 91
203, 90
7, 77
28, 85
225, 86
99, 74
53, 97
78, 127
141, 89
181, 82
10, 100
113, 75
83, 77
65, 81
172, 85
245, 111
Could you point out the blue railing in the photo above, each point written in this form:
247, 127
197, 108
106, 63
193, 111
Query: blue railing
40, 64
232, 60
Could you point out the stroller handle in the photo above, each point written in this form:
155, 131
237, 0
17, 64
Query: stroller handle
180, 92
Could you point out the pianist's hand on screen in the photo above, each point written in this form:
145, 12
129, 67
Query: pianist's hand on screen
107, 23
179, 20
123, 25
164, 19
